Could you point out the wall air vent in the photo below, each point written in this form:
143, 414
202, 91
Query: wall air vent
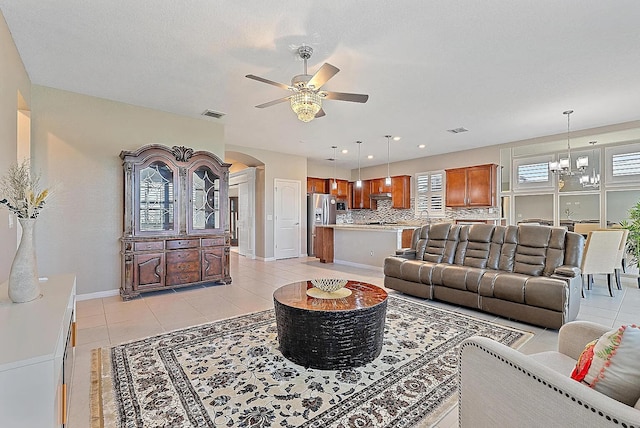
457, 130
212, 113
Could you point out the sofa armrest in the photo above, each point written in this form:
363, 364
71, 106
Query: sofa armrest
406, 253
566, 271
574, 336
501, 387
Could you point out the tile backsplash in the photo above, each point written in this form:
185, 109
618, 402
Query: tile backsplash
386, 214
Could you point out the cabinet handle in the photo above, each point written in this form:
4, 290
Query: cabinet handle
64, 403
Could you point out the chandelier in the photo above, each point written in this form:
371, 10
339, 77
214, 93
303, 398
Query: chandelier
306, 104
593, 179
563, 167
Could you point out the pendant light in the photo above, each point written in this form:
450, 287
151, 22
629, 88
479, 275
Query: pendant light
387, 180
563, 167
334, 185
359, 182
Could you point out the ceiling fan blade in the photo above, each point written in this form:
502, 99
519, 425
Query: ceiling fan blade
344, 96
274, 102
320, 113
270, 82
326, 72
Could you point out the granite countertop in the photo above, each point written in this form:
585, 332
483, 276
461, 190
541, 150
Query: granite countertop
387, 226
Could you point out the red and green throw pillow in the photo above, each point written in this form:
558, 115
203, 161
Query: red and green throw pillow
611, 364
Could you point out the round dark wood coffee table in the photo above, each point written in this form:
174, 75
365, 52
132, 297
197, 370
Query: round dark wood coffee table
330, 334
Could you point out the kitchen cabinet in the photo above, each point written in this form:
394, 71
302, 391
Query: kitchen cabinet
342, 189
401, 192
323, 244
175, 215
361, 199
473, 186
378, 186
317, 185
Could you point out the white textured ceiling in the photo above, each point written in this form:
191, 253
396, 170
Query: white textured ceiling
503, 69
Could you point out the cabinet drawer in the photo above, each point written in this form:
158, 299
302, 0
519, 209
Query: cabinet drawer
182, 243
213, 242
175, 268
182, 256
182, 278
143, 246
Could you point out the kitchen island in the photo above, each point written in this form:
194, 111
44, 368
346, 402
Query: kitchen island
364, 245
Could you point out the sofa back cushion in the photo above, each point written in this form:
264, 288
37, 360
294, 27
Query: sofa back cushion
436, 242
539, 250
474, 245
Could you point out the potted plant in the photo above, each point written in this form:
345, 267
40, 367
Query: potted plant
633, 240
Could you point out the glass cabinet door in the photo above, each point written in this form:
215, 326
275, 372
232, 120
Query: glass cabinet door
205, 199
156, 206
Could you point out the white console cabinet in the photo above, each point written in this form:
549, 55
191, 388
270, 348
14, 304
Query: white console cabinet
36, 355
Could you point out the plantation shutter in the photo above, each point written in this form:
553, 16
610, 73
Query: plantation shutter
430, 193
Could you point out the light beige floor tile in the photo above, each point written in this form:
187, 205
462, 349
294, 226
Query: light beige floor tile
90, 321
91, 307
183, 323
126, 331
129, 313
93, 334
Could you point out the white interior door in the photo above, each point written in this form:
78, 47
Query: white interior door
245, 181
287, 218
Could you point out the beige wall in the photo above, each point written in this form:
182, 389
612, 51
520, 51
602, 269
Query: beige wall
325, 170
277, 165
478, 156
76, 140
14, 85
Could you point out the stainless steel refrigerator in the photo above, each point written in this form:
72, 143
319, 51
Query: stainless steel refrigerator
321, 209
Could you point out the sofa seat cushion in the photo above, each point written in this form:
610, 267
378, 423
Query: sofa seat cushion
538, 291
459, 277
410, 270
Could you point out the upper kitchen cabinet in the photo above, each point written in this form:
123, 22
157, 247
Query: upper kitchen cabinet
401, 191
473, 186
361, 196
342, 189
317, 185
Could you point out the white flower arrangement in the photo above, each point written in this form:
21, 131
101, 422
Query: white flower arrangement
20, 191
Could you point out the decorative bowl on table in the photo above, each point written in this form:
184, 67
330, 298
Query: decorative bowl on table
329, 284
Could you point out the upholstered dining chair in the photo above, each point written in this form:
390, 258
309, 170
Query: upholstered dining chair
601, 254
621, 254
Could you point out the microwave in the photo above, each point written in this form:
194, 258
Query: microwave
341, 206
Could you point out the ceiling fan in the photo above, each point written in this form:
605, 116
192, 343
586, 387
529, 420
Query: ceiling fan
306, 99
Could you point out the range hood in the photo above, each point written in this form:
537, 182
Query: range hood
380, 196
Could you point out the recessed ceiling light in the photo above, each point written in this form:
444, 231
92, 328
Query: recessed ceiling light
421, 146
344, 151
369, 156
396, 138
457, 130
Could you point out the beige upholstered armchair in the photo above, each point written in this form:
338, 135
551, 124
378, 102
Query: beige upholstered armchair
501, 387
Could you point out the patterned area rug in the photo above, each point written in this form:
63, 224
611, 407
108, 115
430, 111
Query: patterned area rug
230, 373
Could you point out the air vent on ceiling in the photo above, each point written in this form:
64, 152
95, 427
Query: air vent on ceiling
457, 130
212, 113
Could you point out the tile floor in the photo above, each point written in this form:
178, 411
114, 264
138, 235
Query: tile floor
110, 321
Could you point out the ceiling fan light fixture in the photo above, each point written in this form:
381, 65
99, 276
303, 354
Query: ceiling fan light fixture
306, 104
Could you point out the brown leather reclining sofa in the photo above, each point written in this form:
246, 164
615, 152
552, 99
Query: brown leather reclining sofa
526, 273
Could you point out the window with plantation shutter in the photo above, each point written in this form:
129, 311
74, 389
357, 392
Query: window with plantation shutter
430, 194
622, 165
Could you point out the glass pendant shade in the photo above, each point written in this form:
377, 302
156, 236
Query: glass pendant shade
306, 104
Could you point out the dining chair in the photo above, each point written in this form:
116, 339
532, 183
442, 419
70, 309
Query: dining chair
601, 254
621, 255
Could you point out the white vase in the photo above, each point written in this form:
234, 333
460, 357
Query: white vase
23, 278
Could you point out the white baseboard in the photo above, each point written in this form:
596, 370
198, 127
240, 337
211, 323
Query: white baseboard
98, 295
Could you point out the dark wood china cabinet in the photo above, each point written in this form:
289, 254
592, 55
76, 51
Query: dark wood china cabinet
175, 214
